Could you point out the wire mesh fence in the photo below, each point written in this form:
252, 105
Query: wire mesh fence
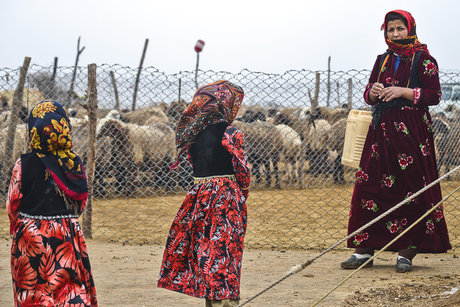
294, 126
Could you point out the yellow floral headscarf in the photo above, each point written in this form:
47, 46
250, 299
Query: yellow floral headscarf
49, 133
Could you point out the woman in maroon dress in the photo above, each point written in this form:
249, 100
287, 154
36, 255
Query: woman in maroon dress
204, 248
398, 156
47, 194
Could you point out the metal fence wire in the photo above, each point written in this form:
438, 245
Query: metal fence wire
294, 126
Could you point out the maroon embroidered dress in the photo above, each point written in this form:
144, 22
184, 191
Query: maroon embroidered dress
398, 159
204, 248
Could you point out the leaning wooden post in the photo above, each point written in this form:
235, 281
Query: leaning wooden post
350, 93
91, 158
328, 80
115, 91
72, 82
53, 76
136, 85
15, 106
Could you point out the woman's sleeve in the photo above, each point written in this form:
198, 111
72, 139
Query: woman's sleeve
233, 141
372, 80
14, 197
429, 92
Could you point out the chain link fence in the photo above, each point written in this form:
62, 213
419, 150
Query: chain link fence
294, 125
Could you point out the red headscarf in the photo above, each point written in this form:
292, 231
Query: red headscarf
214, 103
408, 46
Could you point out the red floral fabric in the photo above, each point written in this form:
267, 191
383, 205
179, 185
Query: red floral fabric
49, 258
203, 254
398, 159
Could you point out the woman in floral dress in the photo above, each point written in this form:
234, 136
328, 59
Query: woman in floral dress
47, 193
398, 158
204, 248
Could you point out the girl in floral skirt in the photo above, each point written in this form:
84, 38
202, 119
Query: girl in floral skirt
47, 193
204, 248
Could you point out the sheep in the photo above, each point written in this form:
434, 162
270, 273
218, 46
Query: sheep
140, 148
291, 152
336, 140
446, 142
263, 143
80, 138
146, 116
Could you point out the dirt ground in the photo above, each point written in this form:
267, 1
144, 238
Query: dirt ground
125, 275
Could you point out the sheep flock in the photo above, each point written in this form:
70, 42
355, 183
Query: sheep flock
295, 146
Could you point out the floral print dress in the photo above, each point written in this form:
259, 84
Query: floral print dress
398, 159
49, 258
203, 253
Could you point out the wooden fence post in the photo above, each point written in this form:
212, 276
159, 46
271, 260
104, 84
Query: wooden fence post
115, 91
350, 94
91, 158
17, 102
136, 85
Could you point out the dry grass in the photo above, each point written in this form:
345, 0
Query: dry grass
314, 217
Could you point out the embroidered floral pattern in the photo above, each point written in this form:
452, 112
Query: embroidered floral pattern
375, 148
384, 129
396, 226
404, 160
412, 201
430, 68
387, 181
425, 148
438, 215
361, 176
360, 237
369, 205
401, 127
427, 122
429, 227
417, 93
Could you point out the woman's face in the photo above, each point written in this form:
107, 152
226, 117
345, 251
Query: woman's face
396, 29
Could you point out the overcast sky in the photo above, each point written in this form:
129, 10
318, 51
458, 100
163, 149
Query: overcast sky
266, 36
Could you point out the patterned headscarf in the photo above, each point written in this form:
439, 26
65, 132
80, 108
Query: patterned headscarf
408, 46
214, 103
49, 134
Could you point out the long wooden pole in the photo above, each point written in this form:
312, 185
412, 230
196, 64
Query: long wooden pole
196, 69
136, 85
91, 158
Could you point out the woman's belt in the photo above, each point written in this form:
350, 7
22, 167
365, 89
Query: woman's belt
209, 178
380, 108
48, 217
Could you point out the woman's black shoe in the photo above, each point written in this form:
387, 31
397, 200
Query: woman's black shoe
353, 263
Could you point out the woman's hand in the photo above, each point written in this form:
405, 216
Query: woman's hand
392, 92
375, 91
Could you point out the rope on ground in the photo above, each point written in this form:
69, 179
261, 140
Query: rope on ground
299, 267
385, 247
